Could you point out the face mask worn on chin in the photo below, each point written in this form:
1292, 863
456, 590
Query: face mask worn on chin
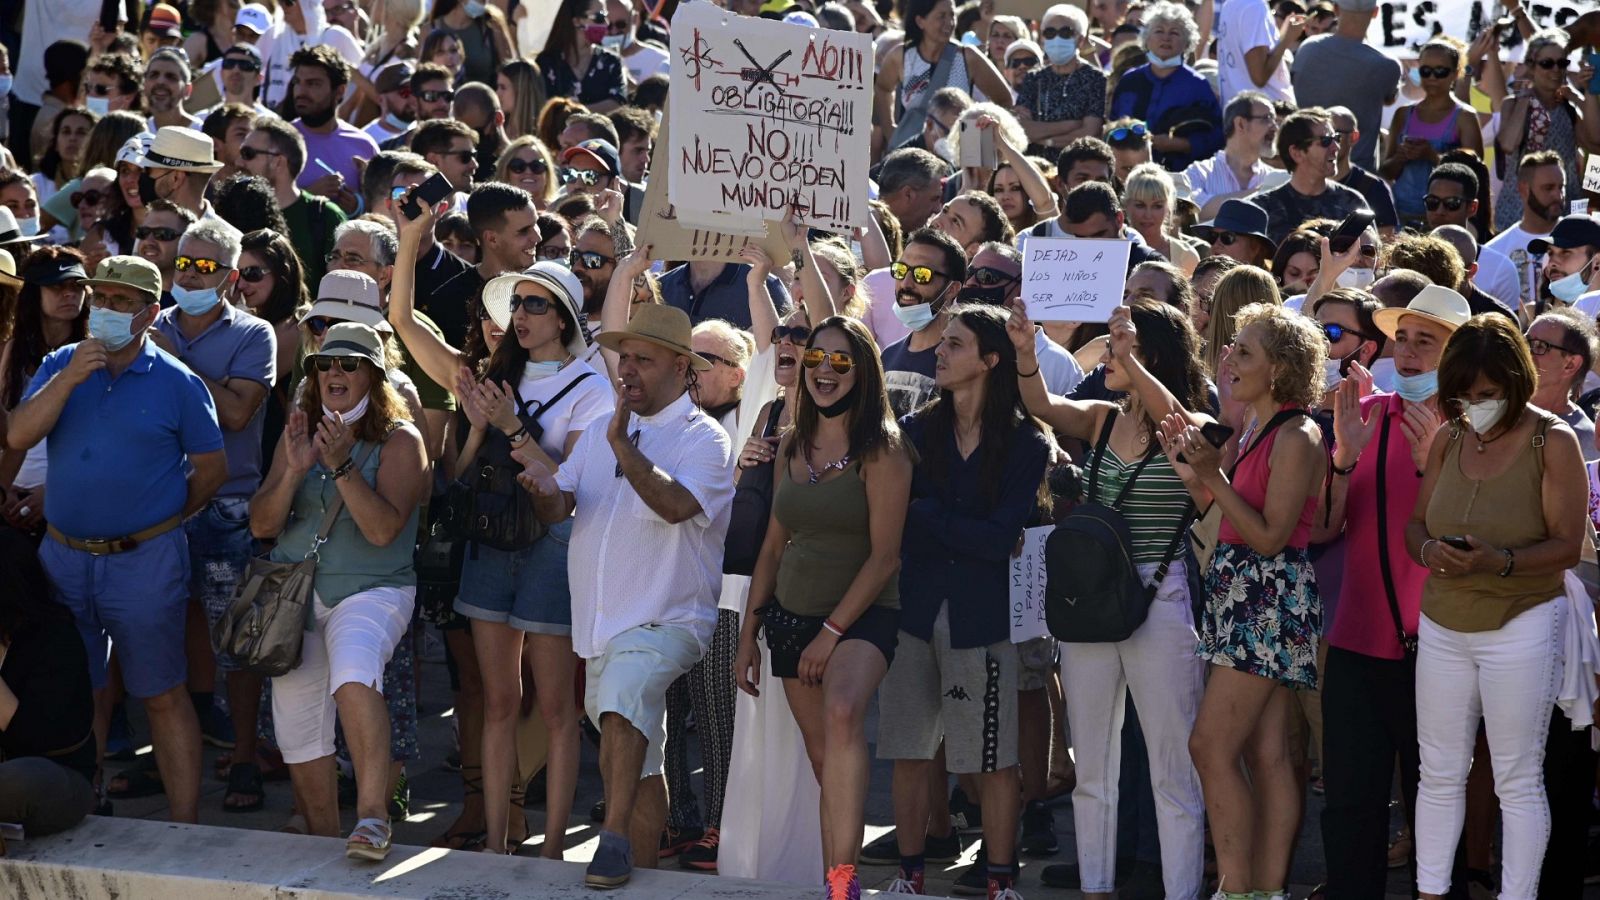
1569, 288
915, 317
1482, 415
97, 105
617, 42
5, 85
943, 150
840, 406
395, 122
1415, 77
1060, 51
1383, 375
196, 302
533, 371
1417, 388
1167, 63
354, 415
1356, 278
112, 328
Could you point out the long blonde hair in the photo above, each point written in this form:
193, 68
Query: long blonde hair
1239, 287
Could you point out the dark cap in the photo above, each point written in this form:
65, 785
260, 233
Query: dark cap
55, 271
1571, 231
599, 149
393, 77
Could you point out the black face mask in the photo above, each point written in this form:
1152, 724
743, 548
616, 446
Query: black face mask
147, 189
993, 296
317, 119
840, 406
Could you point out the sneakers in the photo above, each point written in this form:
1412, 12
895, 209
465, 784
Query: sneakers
996, 892
676, 840
842, 883
1038, 830
973, 881
702, 856
968, 816
400, 803
885, 851
906, 883
612, 865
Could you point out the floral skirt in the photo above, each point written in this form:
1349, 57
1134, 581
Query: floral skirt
1263, 614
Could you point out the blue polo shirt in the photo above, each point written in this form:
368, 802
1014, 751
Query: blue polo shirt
724, 298
236, 345
119, 450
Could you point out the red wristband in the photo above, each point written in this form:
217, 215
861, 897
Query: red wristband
833, 627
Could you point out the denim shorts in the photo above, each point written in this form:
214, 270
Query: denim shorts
134, 601
219, 551
526, 589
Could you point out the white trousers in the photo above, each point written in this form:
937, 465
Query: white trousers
350, 644
1159, 666
1509, 678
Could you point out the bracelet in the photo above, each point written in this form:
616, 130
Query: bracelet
344, 468
837, 631
1422, 555
1511, 563
518, 436
1346, 471
1022, 374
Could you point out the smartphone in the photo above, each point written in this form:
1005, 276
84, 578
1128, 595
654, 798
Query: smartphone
110, 15
1350, 230
1457, 541
1215, 433
977, 146
429, 192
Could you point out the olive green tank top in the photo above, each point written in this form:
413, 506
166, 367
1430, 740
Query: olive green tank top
829, 541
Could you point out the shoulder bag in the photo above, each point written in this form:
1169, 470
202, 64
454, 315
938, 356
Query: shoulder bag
752, 509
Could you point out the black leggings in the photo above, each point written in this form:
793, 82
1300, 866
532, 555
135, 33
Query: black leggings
709, 690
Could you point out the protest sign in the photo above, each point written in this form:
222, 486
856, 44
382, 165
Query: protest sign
1591, 175
673, 239
1073, 279
1402, 26
533, 27
770, 116
1027, 587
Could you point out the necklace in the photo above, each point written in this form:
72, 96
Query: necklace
813, 475
1484, 443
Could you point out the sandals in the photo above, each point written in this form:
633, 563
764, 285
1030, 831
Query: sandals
369, 841
142, 779
466, 840
244, 780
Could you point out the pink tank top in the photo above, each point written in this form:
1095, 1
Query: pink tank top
1250, 480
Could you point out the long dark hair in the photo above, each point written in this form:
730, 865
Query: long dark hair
870, 422
289, 292
507, 360
50, 162
1169, 347
30, 597
916, 9
1003, 413
563, 38
28, 345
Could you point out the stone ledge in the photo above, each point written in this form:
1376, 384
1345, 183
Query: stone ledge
135, 859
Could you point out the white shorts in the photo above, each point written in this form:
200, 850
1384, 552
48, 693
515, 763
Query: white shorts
630, 678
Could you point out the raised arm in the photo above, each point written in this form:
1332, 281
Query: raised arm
1033, 181
763, 313
438, 359
617, 307
1074, 418
987, 78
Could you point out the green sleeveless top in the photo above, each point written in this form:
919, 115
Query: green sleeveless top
1154, 507
829, 541
348, 563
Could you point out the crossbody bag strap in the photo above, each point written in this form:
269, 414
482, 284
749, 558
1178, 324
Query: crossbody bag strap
1408, 643
1282, 416
774, 412
905, 128
1099, 451
1172, 549
522, 408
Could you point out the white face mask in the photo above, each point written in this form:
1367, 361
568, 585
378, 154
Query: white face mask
97, 105
355, 413
943, 150
1483, 414
1356, 278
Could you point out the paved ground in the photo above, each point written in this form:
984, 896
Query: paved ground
436, 793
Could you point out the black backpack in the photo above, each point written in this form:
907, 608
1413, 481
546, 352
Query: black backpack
1093, 592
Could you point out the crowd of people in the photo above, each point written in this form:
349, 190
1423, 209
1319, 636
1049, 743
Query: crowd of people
358, 287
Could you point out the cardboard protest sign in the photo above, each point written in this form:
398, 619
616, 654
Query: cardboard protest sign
672, 239
1073, 279
1027, 587
1402, 26
1591, 174
770, 115
533, 28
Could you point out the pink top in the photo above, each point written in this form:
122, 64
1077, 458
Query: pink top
1250, 482
1362, 622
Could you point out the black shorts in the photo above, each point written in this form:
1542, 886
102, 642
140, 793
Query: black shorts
788, 634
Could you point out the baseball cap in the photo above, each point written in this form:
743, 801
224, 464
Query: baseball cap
393, 77
164, 20
129, 271
598, 149
1571, 231
253, 16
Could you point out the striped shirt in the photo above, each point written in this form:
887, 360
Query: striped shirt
1153, 509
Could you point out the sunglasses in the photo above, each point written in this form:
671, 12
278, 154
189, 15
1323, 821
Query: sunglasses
591, 260
249, 65
1557, 62
839, 360
99, 90
1535, 346
1436, 72
919, 274
1327, 140
1049, 33
532, 304
90, 196
1335, 333
436, 96
1023, 62
249, 153
1137, 130
1225, 238
522, 166
713, 358
794, 334
146, 232
991, 277
1433, 202
587, 176
325, 363
462, 156
199, 264
319, 325
253, 274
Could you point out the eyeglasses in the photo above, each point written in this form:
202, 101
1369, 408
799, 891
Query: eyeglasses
1436, 72
1554, 62
1336, 332
620, 27
598, 17
839, 360
249, 153
587, 176
1433, 202
521, 166
713, 358
1136, 130
1023, 62
1049, 33
199, 264
340, 9
325, 363
991, 277
591, 260
249, 65
554, 253
919, 274
319, 325
436, 96
146, 232
350, 260
794, 334
1535, 346
254, 274
532, 304
1327, 140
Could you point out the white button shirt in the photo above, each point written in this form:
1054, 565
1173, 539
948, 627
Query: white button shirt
628, 566
1209, 177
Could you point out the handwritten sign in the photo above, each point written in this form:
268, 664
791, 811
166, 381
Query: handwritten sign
672, 238
1027, 587
1402, 26
770, 115
1073, 279
1591, 174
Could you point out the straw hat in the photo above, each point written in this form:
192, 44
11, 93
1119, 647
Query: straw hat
664, 326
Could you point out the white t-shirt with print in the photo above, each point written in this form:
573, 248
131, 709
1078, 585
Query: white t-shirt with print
1242, 26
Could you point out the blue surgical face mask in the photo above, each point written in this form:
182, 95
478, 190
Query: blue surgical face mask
97, 105
1060, 50
1417, 388
1167, 63
5, 85
112, 328
533, 371
195, 302
395, 122
1570, 288
915, 317
1415, 77
473, 8
616, 41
